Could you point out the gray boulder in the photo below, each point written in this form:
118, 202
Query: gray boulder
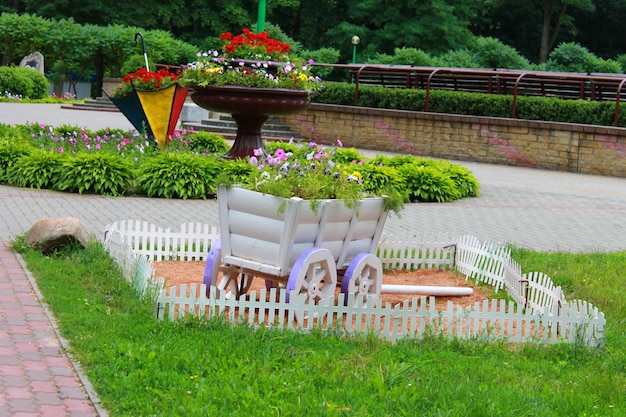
51, 234
34, 61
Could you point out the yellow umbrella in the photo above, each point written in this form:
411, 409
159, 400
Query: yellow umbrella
162, 109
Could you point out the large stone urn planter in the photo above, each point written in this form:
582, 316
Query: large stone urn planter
289, 243
250, 108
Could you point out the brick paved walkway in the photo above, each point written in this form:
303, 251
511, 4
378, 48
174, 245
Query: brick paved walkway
36, 376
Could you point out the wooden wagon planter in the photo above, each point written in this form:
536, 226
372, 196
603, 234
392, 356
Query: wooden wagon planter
291, 245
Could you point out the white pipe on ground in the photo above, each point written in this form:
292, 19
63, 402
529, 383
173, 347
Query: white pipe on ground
426, 290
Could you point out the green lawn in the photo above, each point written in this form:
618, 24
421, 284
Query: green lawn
144, 367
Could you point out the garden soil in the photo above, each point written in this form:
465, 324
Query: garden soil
176, 273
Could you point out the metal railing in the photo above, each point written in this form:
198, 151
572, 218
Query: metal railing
564, 85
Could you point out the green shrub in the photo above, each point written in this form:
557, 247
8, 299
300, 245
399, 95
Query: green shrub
621, 60
336, 93
178, 175
459, 58
40, 84
423, 183
492, 53
479, 104
10, 151
464, 180
322, 56
98, 173
379, 179
405, 56
571, 57
205, 142
234, 171
392, 161
272, 146
135, 62
24, 82
608, 66
347, 156
39, 169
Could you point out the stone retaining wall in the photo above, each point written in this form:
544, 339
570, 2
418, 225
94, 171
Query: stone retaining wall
545, 145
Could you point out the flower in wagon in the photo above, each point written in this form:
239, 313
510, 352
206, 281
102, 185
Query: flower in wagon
306, 172
251, 60
309, 171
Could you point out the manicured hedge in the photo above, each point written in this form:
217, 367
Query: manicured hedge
477, 104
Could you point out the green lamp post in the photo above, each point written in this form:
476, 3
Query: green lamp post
260, 21
355, 42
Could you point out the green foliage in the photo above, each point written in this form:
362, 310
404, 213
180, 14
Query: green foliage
463, 178
405, 56
21, 35
598, 113
322, 56
164, 48
392, 161
379, 179
459, 58
608, 66
336, 93
205, 142
134, 63
97, 173
347, 156
39, 169
24, 82
108, 161
311, 174
72, 49
292, 147
10, 152
234, 171
478, 104
571, 57
427, 183
178, 175
141, 366
40, 84
621, 60
492, 53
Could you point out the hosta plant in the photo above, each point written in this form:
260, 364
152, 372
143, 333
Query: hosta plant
97, 173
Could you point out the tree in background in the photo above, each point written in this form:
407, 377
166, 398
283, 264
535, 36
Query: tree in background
531, 25
188, 20
438, 28
383, 25
602, 30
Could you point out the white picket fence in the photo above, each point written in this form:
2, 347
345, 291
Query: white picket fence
137, 268
577, 322
538, 311
192, 243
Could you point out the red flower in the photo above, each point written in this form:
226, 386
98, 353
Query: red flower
248, 38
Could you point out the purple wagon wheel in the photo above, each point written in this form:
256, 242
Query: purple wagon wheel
314, 274
364, 278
